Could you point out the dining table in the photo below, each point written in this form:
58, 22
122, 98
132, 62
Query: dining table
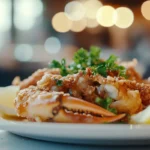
9, 141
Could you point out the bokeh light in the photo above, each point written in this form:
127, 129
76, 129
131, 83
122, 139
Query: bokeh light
28, 8
26, 24
106, 16
91, 8
75, 10
52, 45
92, 23
61, 23
5, 15
145, 9
23, 52
26, 12
125, 17
78, 26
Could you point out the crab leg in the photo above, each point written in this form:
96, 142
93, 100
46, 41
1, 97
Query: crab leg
66, 117
36, 76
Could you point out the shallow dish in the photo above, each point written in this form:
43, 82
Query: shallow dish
98, 134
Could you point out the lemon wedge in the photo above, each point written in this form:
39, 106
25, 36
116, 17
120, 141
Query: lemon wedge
7, 96
142, 117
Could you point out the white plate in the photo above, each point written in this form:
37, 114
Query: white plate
81, 133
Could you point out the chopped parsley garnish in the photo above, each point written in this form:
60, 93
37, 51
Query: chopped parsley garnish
105, 103
112, 66
59, 82
94, 55
55, 64
109, 65
61, 65
83, 59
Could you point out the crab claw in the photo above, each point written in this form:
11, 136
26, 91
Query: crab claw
81, 106
68, 117
56, 106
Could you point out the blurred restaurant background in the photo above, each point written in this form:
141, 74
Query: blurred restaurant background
34, 32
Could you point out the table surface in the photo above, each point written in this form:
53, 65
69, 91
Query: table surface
9, 141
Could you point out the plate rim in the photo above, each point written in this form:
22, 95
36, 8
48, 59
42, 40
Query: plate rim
83, 131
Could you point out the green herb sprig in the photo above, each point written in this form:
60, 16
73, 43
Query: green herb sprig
109, 65
105, 103
59, 82
83, 59
62, 65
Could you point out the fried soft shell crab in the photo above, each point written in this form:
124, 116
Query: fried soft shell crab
90, 90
